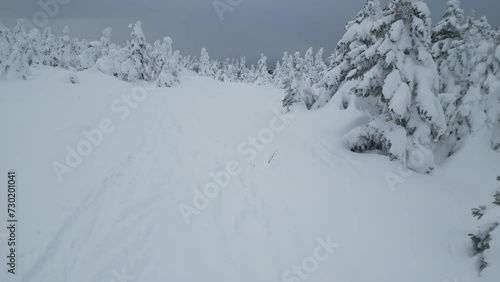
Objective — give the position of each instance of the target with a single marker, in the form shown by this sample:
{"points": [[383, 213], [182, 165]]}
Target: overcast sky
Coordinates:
{"points": [[253, 27]]}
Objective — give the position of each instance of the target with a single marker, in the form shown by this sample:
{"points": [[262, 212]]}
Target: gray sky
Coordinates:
{"points": [[253, 27]]}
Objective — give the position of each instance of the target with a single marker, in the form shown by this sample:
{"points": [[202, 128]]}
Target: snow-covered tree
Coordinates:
{"points": [[308, 65], [284, 72], [137, 65], [5, 48], [353, 55], [111, 63], [66, 52], [162, 52], [319, 67], [50, 49], [17, 66], [34, 47], [242, 72], [169, 75], [253, 74], [106, 41], [474, 104], [448, 49], [300, 90], [263, 76], [404, 80], [486, 242], [205, 66], [89, 56]]}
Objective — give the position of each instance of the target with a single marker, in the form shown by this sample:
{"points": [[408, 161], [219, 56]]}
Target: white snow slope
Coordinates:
{"points": [[314, 212]]}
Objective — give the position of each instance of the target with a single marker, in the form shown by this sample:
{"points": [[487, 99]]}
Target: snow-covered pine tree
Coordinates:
{"points": [[231, 69], [404, 80], [66, 54], [34, 47], [308, 66], [104, 54], [447, 49], [194, 65], [263, 76], [219, 69], [50, 48], [486, 242], [277, 73], [473, 62], [170, 73], [300, 90], [137, 65], [282, 76], [17, 66], [253, 74], [90, 54], [353, 55], [242, 72], [205, 65], [106, 41], [111, 63], [5, 48], [319, 67], [162, 53]]}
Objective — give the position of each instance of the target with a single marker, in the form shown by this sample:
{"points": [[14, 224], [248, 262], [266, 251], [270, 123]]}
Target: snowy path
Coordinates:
{"points": [[123, 222]]}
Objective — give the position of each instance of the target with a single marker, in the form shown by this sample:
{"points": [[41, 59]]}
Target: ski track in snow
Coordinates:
{"points": [[79, 226]]}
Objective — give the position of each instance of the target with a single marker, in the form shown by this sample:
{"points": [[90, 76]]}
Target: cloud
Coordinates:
{"points": [[253, 27]]}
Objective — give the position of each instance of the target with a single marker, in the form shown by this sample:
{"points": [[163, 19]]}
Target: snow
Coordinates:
{"points": [[118, 211]]}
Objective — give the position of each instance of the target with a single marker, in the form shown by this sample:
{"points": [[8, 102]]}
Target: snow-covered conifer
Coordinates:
{"points": [[50, 48], [170, 73], [106, 41], [137, 63], [5, 48], [263, 76], [66, 54], [162, 52], [354, 54], [447, 39], [205, 65], [404, 81], [17, 66], [300, 90], [34, 47], [319, 67]]}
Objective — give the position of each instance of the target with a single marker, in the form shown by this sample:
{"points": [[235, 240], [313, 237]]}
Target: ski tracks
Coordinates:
{"points": [[115, 219]]}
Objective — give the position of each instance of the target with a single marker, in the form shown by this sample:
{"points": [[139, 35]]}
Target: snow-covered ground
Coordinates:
{"points": [[297, 205]]}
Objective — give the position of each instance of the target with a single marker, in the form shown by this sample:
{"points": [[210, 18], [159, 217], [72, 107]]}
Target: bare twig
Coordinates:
{"points": [[273, 155]]}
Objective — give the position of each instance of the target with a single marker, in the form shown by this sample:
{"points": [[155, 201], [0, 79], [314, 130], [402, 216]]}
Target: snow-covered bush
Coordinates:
{"points": [[486, 242], [73, 78]]}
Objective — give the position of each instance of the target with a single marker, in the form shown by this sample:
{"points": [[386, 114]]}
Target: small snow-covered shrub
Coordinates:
{"points": [[73, 78], [486, 242], [167, 79]]}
